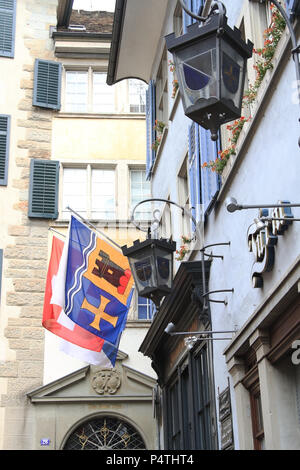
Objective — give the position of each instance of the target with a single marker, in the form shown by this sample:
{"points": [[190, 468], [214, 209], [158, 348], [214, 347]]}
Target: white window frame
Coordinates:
{"points": [[89, 70], [146, 303], [161, 90], [131, 204], [89, 167], [141, 107]]}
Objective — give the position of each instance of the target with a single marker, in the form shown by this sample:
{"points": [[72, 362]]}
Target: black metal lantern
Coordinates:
{"points": [[210, 62], [151, 263]]}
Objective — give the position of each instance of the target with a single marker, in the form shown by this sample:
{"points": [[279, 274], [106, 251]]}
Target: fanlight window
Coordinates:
{"points": [[105, 433]]}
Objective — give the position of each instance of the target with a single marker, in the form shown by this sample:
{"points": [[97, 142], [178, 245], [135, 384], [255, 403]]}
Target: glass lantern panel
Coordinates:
{"points": [[197, 74], [232, 67], [164, 268], [143, 272]]}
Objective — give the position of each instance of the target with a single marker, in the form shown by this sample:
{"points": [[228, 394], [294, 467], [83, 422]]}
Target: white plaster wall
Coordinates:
{"points": [[270, 171]]}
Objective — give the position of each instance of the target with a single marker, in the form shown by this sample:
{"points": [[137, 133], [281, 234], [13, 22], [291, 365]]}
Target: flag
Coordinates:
{"points": [[74, 340], [105, 358], [98, 287]]}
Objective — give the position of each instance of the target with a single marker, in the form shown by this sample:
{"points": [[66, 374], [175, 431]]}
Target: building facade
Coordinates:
{"points": [[66, 139], [241, 392]]}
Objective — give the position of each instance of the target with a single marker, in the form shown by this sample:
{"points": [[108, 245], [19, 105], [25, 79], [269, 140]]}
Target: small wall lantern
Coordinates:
{"points": [[151, 263], [210, 62]]}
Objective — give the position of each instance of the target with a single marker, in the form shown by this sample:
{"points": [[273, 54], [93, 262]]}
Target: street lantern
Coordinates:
{"points": [[210, 62], [151, 263]]}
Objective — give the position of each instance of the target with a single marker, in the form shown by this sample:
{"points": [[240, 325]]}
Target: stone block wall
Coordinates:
{"points": [[26, 248]]}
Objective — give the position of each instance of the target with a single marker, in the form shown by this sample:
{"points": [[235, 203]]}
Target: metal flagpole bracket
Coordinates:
{"points": [[87, 222]]}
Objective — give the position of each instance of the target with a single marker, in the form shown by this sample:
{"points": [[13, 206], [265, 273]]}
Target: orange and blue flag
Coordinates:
{"points": [[98, 287]]}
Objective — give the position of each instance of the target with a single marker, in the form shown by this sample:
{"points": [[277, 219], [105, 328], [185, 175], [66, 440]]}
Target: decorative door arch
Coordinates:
{"points": [[105, 433]]}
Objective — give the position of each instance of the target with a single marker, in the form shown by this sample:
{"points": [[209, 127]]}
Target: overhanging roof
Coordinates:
{"points": [[136, 31]]}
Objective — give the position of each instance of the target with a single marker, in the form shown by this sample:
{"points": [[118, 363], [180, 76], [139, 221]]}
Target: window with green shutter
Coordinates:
{"points": [[43, 190], [4, 147], [7, 27], [47, 84]]}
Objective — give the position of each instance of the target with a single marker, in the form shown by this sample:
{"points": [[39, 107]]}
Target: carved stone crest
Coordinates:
{"points": [[106, 381]]}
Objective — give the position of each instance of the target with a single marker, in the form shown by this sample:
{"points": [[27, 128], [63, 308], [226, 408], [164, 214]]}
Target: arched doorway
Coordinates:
{"points": [[105, 433]]}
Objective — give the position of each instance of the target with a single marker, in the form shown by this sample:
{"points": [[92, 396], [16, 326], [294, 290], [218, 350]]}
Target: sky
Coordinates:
{"points": [[104, 5]]}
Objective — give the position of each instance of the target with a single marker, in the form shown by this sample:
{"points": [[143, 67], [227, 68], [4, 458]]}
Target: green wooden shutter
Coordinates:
{"points": [[47, 84], [43, 191], [7, 27], [4, 147]]}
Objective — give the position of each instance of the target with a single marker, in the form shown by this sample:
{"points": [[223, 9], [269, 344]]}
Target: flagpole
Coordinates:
{"points": [[53, 230], [93, 226]]}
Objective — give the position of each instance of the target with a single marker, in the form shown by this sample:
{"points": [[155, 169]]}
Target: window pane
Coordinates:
{"points": [[103, 194], [137, 96], [76, 92], [144, 309], [75, 190], [103, 94], [140, 190]]}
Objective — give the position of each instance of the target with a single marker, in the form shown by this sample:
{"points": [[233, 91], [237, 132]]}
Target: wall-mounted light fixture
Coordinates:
{"points": [[151, 261], [232, 205], [210, 64], [193, 336], [263, 233], [210, 61]]}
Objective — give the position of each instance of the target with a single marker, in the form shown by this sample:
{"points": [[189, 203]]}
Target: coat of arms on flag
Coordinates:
{"points": [[98, 286], [88, 294]]}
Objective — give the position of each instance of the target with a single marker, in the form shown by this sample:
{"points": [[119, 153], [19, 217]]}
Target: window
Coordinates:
{"points": [[162, 90], [137, 96], [7, 27], [89, 191], [103, 194], [43, 189], [105, 433], [257, 419], [260, 15], [4, 148], [189, 405], [86, 91], [251, 383], [47, 84], [150, 122], [177, 20], [145, 310], [103, 94], [76, 92], [140, 190], [183, 196], [166, 220]]}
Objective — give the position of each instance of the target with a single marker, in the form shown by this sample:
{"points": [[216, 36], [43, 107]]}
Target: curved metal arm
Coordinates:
{"points": [[193, 15], [160, 200], [216, 5], [197, 230]]}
